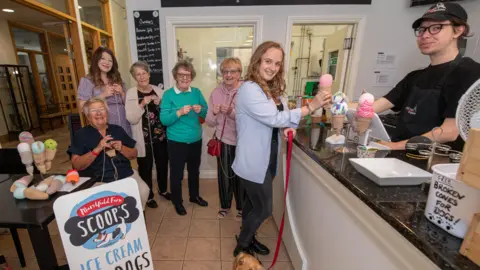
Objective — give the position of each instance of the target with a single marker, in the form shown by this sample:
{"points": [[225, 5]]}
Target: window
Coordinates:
{"points": [[332, 63], [91, 12]]}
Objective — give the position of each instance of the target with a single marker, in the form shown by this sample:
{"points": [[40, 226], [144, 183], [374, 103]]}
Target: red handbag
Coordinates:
{"points": [[214, 146]]}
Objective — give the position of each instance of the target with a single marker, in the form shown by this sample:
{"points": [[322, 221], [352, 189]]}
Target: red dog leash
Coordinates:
{"points": [[287, 178]]}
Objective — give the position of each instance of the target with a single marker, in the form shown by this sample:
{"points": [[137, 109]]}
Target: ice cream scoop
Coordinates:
{"points": [[26, 137], [365, 112], [56, 185], [26, 156], [326, 80], [38, 149], [339, 110], [51, 150]]}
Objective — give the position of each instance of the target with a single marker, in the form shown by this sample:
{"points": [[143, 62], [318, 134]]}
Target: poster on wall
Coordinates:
{"points": [[149, 46], [104, 228], [206, 3]]}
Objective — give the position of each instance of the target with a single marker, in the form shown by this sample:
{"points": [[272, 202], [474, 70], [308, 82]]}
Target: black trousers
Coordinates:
{"points": [[179, 154], [229, 183], [145, 166], [256, 209]]}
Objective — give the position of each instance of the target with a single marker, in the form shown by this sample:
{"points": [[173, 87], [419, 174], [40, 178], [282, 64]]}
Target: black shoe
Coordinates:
{"points": [[199, 201], [180, 209], [259, 248], [152, 203], [166, 195], [239, 249]]}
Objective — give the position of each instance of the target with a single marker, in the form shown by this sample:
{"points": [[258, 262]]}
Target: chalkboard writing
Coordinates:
{"points": [[149, 47]]}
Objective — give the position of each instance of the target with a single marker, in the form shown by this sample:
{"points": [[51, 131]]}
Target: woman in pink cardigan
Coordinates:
{"points": [[221, 112]]}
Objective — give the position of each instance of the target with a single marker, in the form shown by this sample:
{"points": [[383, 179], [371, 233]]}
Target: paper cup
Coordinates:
{"points": [[366, 152]]}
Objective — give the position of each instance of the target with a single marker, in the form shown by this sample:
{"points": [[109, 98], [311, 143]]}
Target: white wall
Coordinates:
{"points": [[120, 39], [397, 37], [7, 57]]}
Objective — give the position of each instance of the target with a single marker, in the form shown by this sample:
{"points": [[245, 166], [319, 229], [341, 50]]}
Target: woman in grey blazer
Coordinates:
{"points": [[261, 110]]}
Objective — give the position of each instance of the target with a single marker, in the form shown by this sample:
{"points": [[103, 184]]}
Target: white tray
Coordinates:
{"points": [[390, 171]]}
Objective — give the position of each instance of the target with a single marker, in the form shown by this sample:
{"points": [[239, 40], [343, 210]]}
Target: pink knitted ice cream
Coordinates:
{"points": [[364, 112]]}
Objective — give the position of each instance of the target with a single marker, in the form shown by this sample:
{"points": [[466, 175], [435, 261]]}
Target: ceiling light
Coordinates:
{"points": [[8, 10], [79, 7]]}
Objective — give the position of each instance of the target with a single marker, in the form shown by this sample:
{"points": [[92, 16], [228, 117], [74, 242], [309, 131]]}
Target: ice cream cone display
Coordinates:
{"points": [[339, 110], [50, 151], [26, 156], [21, 190], [22, 182], [56, 184], [72, 177], [26, 137], [365, 112], [38, 149]]}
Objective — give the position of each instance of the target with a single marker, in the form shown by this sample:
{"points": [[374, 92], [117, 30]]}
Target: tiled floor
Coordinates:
{"points": [[197, 241]]}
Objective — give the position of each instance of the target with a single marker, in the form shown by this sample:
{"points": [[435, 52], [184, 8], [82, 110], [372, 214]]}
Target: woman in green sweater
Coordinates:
{"points": [[180, 111]]}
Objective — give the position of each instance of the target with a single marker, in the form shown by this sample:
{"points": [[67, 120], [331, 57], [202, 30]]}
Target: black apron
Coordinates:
{"points": [[421, 113]]}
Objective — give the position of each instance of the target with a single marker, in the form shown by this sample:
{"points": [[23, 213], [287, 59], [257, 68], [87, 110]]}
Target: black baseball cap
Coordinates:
{"points": [[442, 12]]}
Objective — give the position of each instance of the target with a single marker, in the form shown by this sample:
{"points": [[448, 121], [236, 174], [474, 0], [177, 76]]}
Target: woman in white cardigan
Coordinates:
{"points": [[143, 112]]}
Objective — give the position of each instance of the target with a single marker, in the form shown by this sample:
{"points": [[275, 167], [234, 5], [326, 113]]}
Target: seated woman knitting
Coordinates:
{"points": [[105, 149]]}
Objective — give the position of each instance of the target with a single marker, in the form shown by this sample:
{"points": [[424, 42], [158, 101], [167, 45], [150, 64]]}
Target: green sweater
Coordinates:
{"points": [[186, 128]]}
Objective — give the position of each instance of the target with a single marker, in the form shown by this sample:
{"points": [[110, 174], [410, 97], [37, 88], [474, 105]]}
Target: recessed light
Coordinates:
{"points": [[79, 7], [8, 10]]}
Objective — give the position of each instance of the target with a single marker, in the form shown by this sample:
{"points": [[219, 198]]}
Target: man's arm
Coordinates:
{"points": [[447, 133]]}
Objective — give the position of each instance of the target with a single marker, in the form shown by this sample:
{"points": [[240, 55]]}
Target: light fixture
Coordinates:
{"points": [[79, 7], [8, 10]]}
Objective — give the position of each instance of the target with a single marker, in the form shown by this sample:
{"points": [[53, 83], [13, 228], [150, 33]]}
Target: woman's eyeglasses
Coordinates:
{"points": [[184, 76], [432, 29], [100, 110]]}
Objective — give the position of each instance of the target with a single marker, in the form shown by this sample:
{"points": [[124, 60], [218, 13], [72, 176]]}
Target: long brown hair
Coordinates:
{"points": [[94, 72], [276, 87]]}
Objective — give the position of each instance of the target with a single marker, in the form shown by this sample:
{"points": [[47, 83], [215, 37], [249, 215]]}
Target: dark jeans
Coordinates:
{"points": [[228, 182], [145, 166], [256, 209], [179, 154]]}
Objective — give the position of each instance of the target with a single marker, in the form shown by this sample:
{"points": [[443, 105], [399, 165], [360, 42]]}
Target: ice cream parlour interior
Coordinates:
{"points": [[353, 202]]}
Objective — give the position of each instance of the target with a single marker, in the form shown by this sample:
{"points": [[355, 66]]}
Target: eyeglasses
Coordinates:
{"points": [[101, 110], [432, 29], [184, 76], [226, 72]]}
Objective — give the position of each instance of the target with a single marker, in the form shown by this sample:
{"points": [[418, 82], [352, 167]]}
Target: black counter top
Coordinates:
{"points": [[401, 206]]}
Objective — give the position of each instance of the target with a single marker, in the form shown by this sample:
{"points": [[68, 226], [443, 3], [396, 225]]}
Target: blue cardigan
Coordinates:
{"points": [[256, 116]]}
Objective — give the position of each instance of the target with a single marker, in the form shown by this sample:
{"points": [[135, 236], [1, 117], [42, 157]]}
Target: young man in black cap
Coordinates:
{"points": [[428, 98]]}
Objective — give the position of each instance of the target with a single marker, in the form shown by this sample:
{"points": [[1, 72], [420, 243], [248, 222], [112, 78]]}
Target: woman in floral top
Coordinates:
{"points": [[143, 111]]}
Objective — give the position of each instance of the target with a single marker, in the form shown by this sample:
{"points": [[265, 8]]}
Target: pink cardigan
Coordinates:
{"points": [[220, 95]]}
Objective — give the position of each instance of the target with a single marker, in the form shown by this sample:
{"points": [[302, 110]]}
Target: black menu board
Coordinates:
{"points": [[149, 46], [204, 3]]}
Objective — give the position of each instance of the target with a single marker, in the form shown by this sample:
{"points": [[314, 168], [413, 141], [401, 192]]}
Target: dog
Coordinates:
{"points": [[245, 261], [105, 238]]}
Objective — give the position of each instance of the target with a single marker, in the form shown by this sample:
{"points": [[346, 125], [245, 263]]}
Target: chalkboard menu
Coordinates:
{"points": [[204, 3], [149, 46]]}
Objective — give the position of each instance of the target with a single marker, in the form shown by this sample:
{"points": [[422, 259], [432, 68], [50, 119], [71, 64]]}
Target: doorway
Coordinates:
{"points": [[205, 42], [319, 46]]}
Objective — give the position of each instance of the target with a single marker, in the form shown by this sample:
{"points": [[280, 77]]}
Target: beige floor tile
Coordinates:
{"points": [[167, 265], [170, 212], [169, 248], [14, 263], [229, 227], [53, 228], [268, 229], [279, 265], [271, 244], [151, 240], [155, 215], [227, 247], [205, 212], [203, 249], [152, 228], [174, 227], [202, 265], [58, 247], [204, 228], [7, 248]]}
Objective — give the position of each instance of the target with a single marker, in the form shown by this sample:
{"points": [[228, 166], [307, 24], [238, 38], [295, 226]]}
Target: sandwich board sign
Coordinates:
{"points": [[103, 228]]}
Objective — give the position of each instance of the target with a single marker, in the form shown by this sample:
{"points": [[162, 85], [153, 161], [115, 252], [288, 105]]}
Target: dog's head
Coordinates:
{"points": [[246, 261]]}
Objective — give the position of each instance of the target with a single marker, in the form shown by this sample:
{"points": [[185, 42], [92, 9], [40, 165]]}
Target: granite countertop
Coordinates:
{"points": [[401, 206]]}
